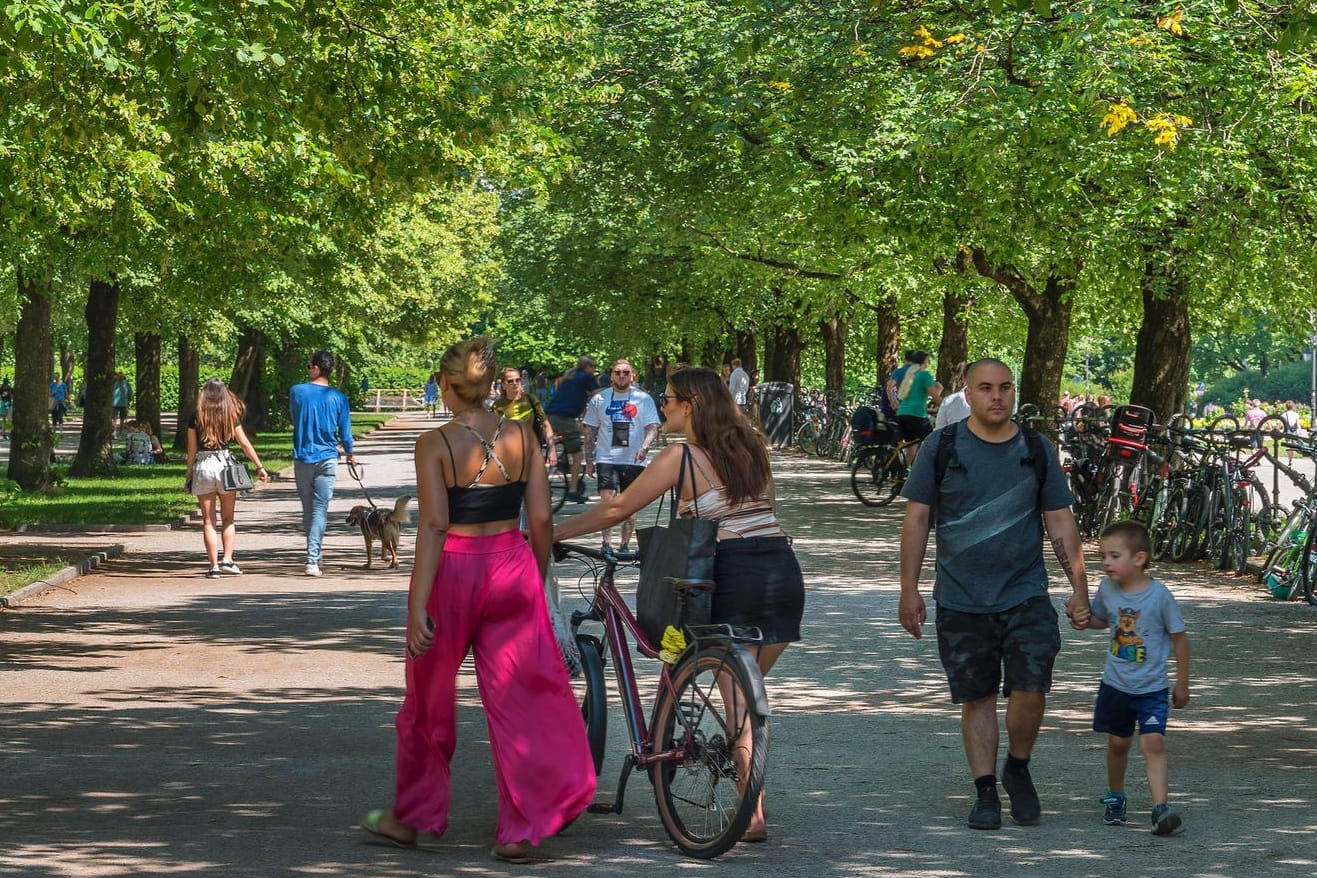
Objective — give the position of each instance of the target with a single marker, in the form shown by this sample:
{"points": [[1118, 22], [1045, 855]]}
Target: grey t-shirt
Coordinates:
{"points": [[989, 521], [1142, 623]]}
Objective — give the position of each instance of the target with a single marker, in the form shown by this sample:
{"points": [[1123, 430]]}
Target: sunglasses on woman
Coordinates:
{"points": [[664, 397]]}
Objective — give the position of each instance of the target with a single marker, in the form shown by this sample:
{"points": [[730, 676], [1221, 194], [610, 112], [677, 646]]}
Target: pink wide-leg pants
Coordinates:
{"points": [[489, 599]]}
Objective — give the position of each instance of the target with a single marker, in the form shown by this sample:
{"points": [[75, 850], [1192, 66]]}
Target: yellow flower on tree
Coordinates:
{"points": [[779, 85], [915, 52], [1166, 128], [1171, 23], [927, 36], [954, 38], [1118, 117]]}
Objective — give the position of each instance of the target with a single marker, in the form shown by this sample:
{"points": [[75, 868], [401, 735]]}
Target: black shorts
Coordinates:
{"points": [[757, 582], [121, 411], [913, 426], [976, 647], [616, 476], [567, 431]]}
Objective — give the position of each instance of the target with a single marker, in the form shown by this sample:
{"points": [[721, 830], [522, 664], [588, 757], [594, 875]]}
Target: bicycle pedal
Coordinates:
{"points": [[601, 808]]}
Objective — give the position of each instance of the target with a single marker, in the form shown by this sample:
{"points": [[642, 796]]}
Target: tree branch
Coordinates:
{"points": [[794, 268]]}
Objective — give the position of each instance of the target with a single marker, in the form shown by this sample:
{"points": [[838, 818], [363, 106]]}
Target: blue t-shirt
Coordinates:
{"points": [[1142, 623], [989, 519], [320, 422], [572, 395]]}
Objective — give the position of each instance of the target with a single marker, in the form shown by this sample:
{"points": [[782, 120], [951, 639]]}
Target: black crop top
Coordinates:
{"points": [[479, 502]]}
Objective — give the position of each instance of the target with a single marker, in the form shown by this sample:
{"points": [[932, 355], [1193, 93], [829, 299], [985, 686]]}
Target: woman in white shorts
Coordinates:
{"points": [[217, 422]]}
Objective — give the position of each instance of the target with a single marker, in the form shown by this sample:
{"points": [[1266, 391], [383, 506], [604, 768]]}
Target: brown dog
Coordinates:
{"points": [[375, 525]]}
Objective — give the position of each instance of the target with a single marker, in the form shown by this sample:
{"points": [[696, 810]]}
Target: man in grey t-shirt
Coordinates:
{"points": [[994, 618]]}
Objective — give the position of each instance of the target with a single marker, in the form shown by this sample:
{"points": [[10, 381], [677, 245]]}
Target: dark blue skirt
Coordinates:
{"points": [[757, 581]]}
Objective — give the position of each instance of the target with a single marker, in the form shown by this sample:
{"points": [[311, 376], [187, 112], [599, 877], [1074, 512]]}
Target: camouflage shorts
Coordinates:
{"points": [[975, 647]]}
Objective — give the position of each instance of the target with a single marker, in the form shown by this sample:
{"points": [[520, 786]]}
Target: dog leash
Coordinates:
{"points": [[354, 469]]}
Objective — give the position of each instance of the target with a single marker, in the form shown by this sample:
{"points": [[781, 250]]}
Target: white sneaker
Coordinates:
{"points": [[230, 567], [313, 570]]}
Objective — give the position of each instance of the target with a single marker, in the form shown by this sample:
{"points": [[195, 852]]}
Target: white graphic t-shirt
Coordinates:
{"points": [[621, 419]]}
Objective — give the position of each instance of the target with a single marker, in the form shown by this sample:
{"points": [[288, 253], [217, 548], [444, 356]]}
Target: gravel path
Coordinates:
{"points": [[159, 723]]}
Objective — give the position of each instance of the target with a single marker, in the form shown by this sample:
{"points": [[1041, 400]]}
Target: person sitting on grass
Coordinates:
{"points": [[1147, 628]]}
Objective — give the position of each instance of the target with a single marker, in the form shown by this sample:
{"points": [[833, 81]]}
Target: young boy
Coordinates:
{"points": [[1147, 628]]}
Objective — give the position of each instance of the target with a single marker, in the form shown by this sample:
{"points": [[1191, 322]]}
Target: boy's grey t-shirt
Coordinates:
{"points": [[1142, 623], [989, 521]]}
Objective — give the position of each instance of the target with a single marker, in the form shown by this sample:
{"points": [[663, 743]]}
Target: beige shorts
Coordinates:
{"points": [[208, 473]]}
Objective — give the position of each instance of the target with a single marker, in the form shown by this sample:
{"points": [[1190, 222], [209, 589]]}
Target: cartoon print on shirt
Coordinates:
{"points": [[1125, 642]]}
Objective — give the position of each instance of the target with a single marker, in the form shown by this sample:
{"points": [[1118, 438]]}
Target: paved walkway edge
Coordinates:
{"points": [[73, 571]]}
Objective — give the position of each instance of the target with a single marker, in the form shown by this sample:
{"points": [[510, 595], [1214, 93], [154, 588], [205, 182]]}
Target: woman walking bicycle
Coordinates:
{"points": [[216, 423], [757, 580], [478, 587]]}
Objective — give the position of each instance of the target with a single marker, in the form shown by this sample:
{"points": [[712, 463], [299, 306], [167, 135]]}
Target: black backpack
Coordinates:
{"points": [[864, 425], [945, 456]]}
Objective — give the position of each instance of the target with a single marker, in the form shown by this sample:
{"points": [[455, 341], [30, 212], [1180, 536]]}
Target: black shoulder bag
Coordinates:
{"points": [[676, 568]]}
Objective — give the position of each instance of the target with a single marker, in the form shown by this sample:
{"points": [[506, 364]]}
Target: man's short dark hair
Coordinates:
{"points": [[984, 361], [324, 362]]}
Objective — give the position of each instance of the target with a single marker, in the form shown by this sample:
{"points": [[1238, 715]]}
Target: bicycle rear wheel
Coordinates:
{"points": [[707, 794], [592, 694], [807, 438], [1308, 568], [873, 481], [557, 486]]}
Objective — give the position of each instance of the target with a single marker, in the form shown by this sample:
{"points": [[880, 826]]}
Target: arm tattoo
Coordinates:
{"points": [[1063, 558]]}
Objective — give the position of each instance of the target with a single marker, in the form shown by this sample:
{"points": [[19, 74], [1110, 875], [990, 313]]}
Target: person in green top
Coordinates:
{"points": [[917, 387], [515, 404]]}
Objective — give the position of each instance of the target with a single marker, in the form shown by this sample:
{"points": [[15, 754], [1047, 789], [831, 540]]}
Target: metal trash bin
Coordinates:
{"points": [[775, 412]]}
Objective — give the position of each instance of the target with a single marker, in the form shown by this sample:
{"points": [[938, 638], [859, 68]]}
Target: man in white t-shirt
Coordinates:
{"points": [[621, 423], [954, 407]]}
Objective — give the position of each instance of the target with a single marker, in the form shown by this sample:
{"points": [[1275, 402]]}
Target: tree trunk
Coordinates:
{"points": [[96, 444], [1163, 351], [953, 350], [189, 376], [30, 441], [247, 378], [787, 345], [745, 349], [833, 331], [146, 347], [1048, 313], [711, 355], [888, 349], [66, 363]]}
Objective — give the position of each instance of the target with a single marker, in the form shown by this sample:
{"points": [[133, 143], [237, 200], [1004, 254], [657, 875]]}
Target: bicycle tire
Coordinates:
{"points": [[592, 694], [1271, 427], [1188, 536], [1224, 424], [1284, 542], [1165, 519], [872, 480], [807, 438], [702, 801], [1237, 542], [557, 486], [1308, 569]]}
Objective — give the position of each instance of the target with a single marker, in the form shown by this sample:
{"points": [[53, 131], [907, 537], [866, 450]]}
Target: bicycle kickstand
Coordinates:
{"points": [[615, 806]]}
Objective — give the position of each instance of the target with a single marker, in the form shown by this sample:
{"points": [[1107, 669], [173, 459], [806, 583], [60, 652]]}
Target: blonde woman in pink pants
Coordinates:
{"points": [[477, 586]]}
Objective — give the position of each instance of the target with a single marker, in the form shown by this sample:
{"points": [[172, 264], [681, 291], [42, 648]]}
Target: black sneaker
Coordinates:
{"points": [[213, 573], [1025, 807], [986, 813], [1165, 820]]}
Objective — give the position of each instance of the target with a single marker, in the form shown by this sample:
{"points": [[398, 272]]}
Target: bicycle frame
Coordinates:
{"points": [[609, 608]]}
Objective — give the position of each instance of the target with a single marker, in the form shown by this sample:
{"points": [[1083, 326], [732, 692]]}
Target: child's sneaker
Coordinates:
{"points": [[1114, 813], [1165, 820]]}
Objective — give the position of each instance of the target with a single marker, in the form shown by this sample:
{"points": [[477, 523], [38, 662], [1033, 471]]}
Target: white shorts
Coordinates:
{"points": [[208, 473]]}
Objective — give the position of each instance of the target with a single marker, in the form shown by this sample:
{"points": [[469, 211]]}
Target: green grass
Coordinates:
{"points": [[141, 494], [21, 575]]}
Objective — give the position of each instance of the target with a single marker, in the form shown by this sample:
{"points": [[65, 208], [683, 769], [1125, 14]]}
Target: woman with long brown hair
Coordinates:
{"points": [[216, 423], [478, 587], [757, 580]]}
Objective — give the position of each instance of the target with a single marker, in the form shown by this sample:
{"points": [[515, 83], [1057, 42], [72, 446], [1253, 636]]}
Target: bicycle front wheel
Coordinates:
{"points": [[873, 481], [557, 486], [592, 694], [707, 792]]}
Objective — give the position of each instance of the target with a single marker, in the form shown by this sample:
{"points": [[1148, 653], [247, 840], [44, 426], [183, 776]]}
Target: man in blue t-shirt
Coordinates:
{"points": [[994, 621], [565, 410], [321, 422]]}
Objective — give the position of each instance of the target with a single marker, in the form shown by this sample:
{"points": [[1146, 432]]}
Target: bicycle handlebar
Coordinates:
{"points": [[608, 556]]}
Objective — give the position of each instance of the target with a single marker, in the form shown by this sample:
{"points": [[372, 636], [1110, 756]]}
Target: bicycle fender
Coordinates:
{"points": [[758, 692]]}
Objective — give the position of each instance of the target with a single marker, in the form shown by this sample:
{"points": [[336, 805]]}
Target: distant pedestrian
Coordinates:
{"points": [[123, 396], [216, 422], [621, 423], [321, 422], [739, 385], [917, 387], [431, 394], [565, 409], [478, 587], [1291, 418], [59, 406], [1146, 627], [993, 611], [954, 407], [6, 405]]}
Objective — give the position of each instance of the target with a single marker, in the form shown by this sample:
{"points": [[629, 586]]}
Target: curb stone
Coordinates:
{"points": [[73, 571]]}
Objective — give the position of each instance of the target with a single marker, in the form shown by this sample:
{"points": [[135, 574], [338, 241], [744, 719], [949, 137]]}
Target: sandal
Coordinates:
{"points": [[513, 852], [371, 823]]}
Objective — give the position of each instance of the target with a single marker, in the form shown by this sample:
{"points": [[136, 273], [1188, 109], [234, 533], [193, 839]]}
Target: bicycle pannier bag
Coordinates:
{"points": [[684, 550], [236, 477]]}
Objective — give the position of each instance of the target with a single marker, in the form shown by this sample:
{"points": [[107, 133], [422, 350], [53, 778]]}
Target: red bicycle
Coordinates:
{"points": [[705, 742]]}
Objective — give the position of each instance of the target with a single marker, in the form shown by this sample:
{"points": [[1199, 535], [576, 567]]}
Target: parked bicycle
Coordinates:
{"points": [[705, 743]]}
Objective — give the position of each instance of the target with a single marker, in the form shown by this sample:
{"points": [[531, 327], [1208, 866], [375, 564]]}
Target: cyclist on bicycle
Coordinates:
{"points": [[757, 580], [917, 387]]}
